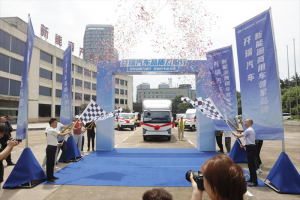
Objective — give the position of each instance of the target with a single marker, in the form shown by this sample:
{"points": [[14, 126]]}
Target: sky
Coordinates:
{"points": [[69, 18]]}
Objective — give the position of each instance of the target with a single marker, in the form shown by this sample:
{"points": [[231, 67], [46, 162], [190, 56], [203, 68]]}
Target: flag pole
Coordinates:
{"points": [[28, 33], [287, 53], [296, 81]]}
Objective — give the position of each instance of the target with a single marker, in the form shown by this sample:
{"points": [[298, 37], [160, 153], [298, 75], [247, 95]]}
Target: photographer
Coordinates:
{"points": [[5, 151], [6, 137], [222, 179]]}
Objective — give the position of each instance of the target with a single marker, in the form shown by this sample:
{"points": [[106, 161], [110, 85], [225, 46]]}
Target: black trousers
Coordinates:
{"points": [[219, 142], [82, 143], [63, 149], [258, 144], [91, 136], [251, 156], [50, 153]]}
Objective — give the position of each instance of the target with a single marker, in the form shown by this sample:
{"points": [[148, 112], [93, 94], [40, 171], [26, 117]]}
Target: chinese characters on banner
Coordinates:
{"points": [[221, 66], [258, 77], [44, 31]]}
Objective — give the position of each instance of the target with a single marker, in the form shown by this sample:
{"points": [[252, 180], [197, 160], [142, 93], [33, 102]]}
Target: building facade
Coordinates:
{"points": [[45, 76]]}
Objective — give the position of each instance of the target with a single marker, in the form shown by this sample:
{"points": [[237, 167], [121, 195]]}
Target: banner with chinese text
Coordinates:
{"points": [[220, 63], [66, 109], [258, 77], [22, 120]]}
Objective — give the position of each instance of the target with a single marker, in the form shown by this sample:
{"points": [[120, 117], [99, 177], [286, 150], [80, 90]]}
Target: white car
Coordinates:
{"points": [[125, 120], [286, 116], [190, 121]]}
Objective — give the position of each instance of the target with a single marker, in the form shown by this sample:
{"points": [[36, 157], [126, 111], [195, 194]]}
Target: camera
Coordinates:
{"points": [[198, 178], [18, 140]]}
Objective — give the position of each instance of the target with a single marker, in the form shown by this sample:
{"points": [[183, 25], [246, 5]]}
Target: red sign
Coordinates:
{"points": [[81, 51], [44, 31], [58, 40], [72, 45]]}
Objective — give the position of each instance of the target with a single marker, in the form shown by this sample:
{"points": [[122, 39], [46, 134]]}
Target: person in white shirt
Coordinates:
{"points": [[52, 144]]}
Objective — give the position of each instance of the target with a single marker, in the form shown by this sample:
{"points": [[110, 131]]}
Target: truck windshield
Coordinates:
{"points": [[157, 117], [189, 116], [126, 116]]}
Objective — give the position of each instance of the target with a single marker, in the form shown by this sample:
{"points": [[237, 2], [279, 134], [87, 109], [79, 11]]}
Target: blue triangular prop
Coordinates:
{"points": [[285, 176], [72, 150], [26, 169], [237, 154]]}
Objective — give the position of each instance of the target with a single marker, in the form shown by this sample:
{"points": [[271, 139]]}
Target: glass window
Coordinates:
{"points": [[72, 67], [45, 57], [4, 40], [45, 91], [117, 81], [57, 110], [122, 82], [58, 93], [78, 96], [16, 66], [87, 97], [17, 46], [94, 86], [4, 63], [87, 72], [79, 70], [78, 83], [121, 101], [94, 97], [125, 92], [4, 86], [59, 77], [125, 101], [14, 89], [45, 74], [87, 85], [121, 91], [44, 110], [59, 62], [116, 91], [94, 74], [116, 101], [126, 83], [77, 110]]}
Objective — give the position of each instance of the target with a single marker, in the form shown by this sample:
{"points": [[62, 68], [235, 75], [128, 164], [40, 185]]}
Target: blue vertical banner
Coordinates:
{"points": [[66, 109], [220, 63], [259, 77], [22, 121]]}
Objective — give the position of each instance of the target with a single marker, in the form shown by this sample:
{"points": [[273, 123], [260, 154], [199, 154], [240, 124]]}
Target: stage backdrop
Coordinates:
{"points": [[259, 76]]}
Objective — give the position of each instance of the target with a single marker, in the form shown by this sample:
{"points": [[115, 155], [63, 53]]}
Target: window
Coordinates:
{"points": [[117, 81], [4, 40], [79, 70], [122, 82], [16, 66], [87, 97], [94, 97], [58, 93], [94, 86], [4, 85], [57, 110], [77, 110], [72, 67], [45, 74], [78, 96], [4, 63], [14, 89], [125, 92], [44, 110], [45, 57], [116, 101], [59, 62], [87, 72], [125, 101], [59, 77], [126, 83], [94, 74], [45, 91], [87, 85], [17, 46], [121, 101], [121, 91], [116, 91], [78, 83]]}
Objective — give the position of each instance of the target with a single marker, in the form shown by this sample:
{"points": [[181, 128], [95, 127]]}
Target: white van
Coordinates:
{"points": [[157, 112], [190, 119], [125, 120], [286, 116]]}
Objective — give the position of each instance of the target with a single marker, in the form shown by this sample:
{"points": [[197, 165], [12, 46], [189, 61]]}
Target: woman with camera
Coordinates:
{"points": [[221, 178]]}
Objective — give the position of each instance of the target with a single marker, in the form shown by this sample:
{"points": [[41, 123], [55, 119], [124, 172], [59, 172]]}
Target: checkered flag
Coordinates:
{"points": [[206, 106], [94, 112]]}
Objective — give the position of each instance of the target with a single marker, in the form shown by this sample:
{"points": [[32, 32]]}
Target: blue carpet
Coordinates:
{"points": [[134, 167]]}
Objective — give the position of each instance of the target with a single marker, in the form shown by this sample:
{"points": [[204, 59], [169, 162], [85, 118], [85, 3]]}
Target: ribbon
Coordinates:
{"points": [[190, 119], [157, 127]]}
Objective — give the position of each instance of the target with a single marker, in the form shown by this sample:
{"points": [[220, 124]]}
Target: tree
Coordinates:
{"points": [[126, 110], [175, 102], [239, 102], [137, 107], [83, 107], [182, 107]]}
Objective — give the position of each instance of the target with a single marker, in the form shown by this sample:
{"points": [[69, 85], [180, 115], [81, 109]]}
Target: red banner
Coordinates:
{"points": [[157, 127]]}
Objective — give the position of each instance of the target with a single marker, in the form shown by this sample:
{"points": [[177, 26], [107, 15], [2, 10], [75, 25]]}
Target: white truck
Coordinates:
{"points": [[156, 113], [190, 119]]}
